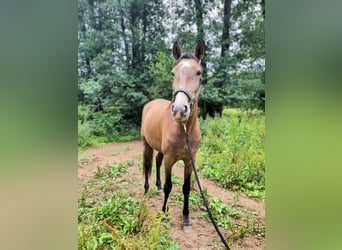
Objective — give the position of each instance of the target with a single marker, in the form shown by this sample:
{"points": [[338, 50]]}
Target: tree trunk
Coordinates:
{"points": [[144, 29], [226, 27], [135, 34], [123, 30]]}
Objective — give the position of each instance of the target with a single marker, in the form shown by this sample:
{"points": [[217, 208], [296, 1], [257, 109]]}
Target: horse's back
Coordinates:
{"points": [[154, 114]]}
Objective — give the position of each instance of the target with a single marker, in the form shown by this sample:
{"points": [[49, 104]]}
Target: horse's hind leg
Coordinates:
{"points": [[147, 164], [159, 159]]}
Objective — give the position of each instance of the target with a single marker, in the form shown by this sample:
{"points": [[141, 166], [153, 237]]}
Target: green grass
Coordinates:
{"points": [[109, 218], [195, 200], [239, 223], [121, 223], [232, 151]]}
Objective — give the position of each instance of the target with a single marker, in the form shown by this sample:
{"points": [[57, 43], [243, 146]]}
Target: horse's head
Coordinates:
{"points": [[187, 75]]}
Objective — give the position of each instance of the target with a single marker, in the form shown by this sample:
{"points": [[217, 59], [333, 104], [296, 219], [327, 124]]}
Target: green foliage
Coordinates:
{"points": [[232, 151], [101, 127], [252, 33], [222, 213], [195, 199], [112, 171], [236, 221], [121, 223], [160, 72], [108, 218], [124, 59]]}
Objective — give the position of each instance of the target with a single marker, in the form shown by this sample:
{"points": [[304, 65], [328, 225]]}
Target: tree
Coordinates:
{"points": [[124, 57], [226, 27]]}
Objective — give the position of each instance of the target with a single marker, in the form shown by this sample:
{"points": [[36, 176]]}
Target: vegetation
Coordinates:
{"points": [[109, 218], [124, 59], [232, 151], [122, 223], [102, 127]]}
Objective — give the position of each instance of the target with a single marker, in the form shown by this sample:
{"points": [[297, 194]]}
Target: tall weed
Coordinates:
{"points": [[232, 151], [121, 223]]}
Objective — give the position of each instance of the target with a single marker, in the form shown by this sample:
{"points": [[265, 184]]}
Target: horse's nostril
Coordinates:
{"points": [[185, 108]]}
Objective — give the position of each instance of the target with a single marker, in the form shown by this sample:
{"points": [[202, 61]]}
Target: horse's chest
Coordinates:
{"points": [[178, 146]]}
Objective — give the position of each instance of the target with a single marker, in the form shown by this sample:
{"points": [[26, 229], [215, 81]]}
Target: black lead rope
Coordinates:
{"points": [[200, 189]]}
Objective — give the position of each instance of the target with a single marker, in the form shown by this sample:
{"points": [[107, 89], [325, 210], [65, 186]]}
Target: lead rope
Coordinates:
{"points": [[200, 189]]}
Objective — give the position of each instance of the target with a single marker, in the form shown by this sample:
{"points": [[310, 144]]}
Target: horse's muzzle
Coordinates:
{"points": [[180, 112]]}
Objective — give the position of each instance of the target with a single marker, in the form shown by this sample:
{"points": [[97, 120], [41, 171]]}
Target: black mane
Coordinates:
{"points": [[188, 56]]}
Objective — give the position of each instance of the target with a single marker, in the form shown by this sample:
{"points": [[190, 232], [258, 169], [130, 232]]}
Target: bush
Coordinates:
{"points": [[232, 151], [103, 127]]}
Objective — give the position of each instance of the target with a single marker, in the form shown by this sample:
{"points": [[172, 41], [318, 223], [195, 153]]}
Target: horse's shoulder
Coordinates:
{"points": [[159, 102]]}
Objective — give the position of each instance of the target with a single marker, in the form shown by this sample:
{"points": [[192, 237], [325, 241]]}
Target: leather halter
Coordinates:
{"points": [[191, 97], [186, 92]]}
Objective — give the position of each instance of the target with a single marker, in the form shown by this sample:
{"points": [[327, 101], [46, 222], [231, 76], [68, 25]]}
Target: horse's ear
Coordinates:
{"points": [[177, 51], [199, 51]]}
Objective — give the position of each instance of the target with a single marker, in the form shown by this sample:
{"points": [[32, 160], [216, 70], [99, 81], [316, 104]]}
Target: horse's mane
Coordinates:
{"points": [[188, 56]]}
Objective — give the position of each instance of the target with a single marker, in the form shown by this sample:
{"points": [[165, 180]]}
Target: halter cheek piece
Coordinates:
{"points": [[188, 94]]}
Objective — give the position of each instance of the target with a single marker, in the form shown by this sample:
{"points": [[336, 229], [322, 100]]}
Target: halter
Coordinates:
{"points": [[191, 97], [186, 92]]}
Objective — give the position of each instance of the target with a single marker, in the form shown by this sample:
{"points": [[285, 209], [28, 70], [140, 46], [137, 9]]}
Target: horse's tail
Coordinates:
{"points": [[147, 158]]}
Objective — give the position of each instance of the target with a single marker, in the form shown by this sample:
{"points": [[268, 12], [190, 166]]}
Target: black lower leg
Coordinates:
{"points": [[146, 185], [159, 159], [167, 189], [186, 192]]}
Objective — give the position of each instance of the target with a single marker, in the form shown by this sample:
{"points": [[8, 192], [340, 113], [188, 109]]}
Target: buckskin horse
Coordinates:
{"points": [[163, 121]]}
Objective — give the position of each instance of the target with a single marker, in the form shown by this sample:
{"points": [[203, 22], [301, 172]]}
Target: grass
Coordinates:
{"points": [[122, 223], [195, 200], [83, 158], [109, 218], [232, 151], [238, 222]]}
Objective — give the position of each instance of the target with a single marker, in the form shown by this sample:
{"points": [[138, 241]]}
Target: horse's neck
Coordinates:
{"points": [[193, 118]]}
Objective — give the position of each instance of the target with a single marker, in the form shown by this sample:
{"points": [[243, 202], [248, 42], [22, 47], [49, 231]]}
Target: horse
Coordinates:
{"points": [[163, 121]]}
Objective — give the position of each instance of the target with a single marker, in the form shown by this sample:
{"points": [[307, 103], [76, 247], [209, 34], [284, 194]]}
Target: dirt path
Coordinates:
{"points": [[203, 235]]}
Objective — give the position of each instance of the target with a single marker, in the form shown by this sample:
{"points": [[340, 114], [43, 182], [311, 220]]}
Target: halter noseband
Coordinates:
{"points": [[191, 97], [186, 92]]}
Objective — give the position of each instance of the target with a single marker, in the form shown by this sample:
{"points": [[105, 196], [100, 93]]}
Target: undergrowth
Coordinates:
{"points": [[115, 220], [96, 128], [121, 223], [232, 151]]}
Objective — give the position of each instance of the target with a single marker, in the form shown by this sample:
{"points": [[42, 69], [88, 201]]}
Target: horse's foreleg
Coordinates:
{"points": [[159, 159], [186, 192], [168, 183]]}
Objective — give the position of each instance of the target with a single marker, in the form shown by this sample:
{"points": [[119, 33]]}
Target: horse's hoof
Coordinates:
{"points": [[160, 191], [187, 228]]}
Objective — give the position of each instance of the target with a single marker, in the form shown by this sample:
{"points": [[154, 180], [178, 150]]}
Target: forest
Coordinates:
{"points": [[125, 59]]}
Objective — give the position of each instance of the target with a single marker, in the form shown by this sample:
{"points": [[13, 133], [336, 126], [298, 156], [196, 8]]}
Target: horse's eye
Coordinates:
{"points": [[198, 73], [173, 74]]}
